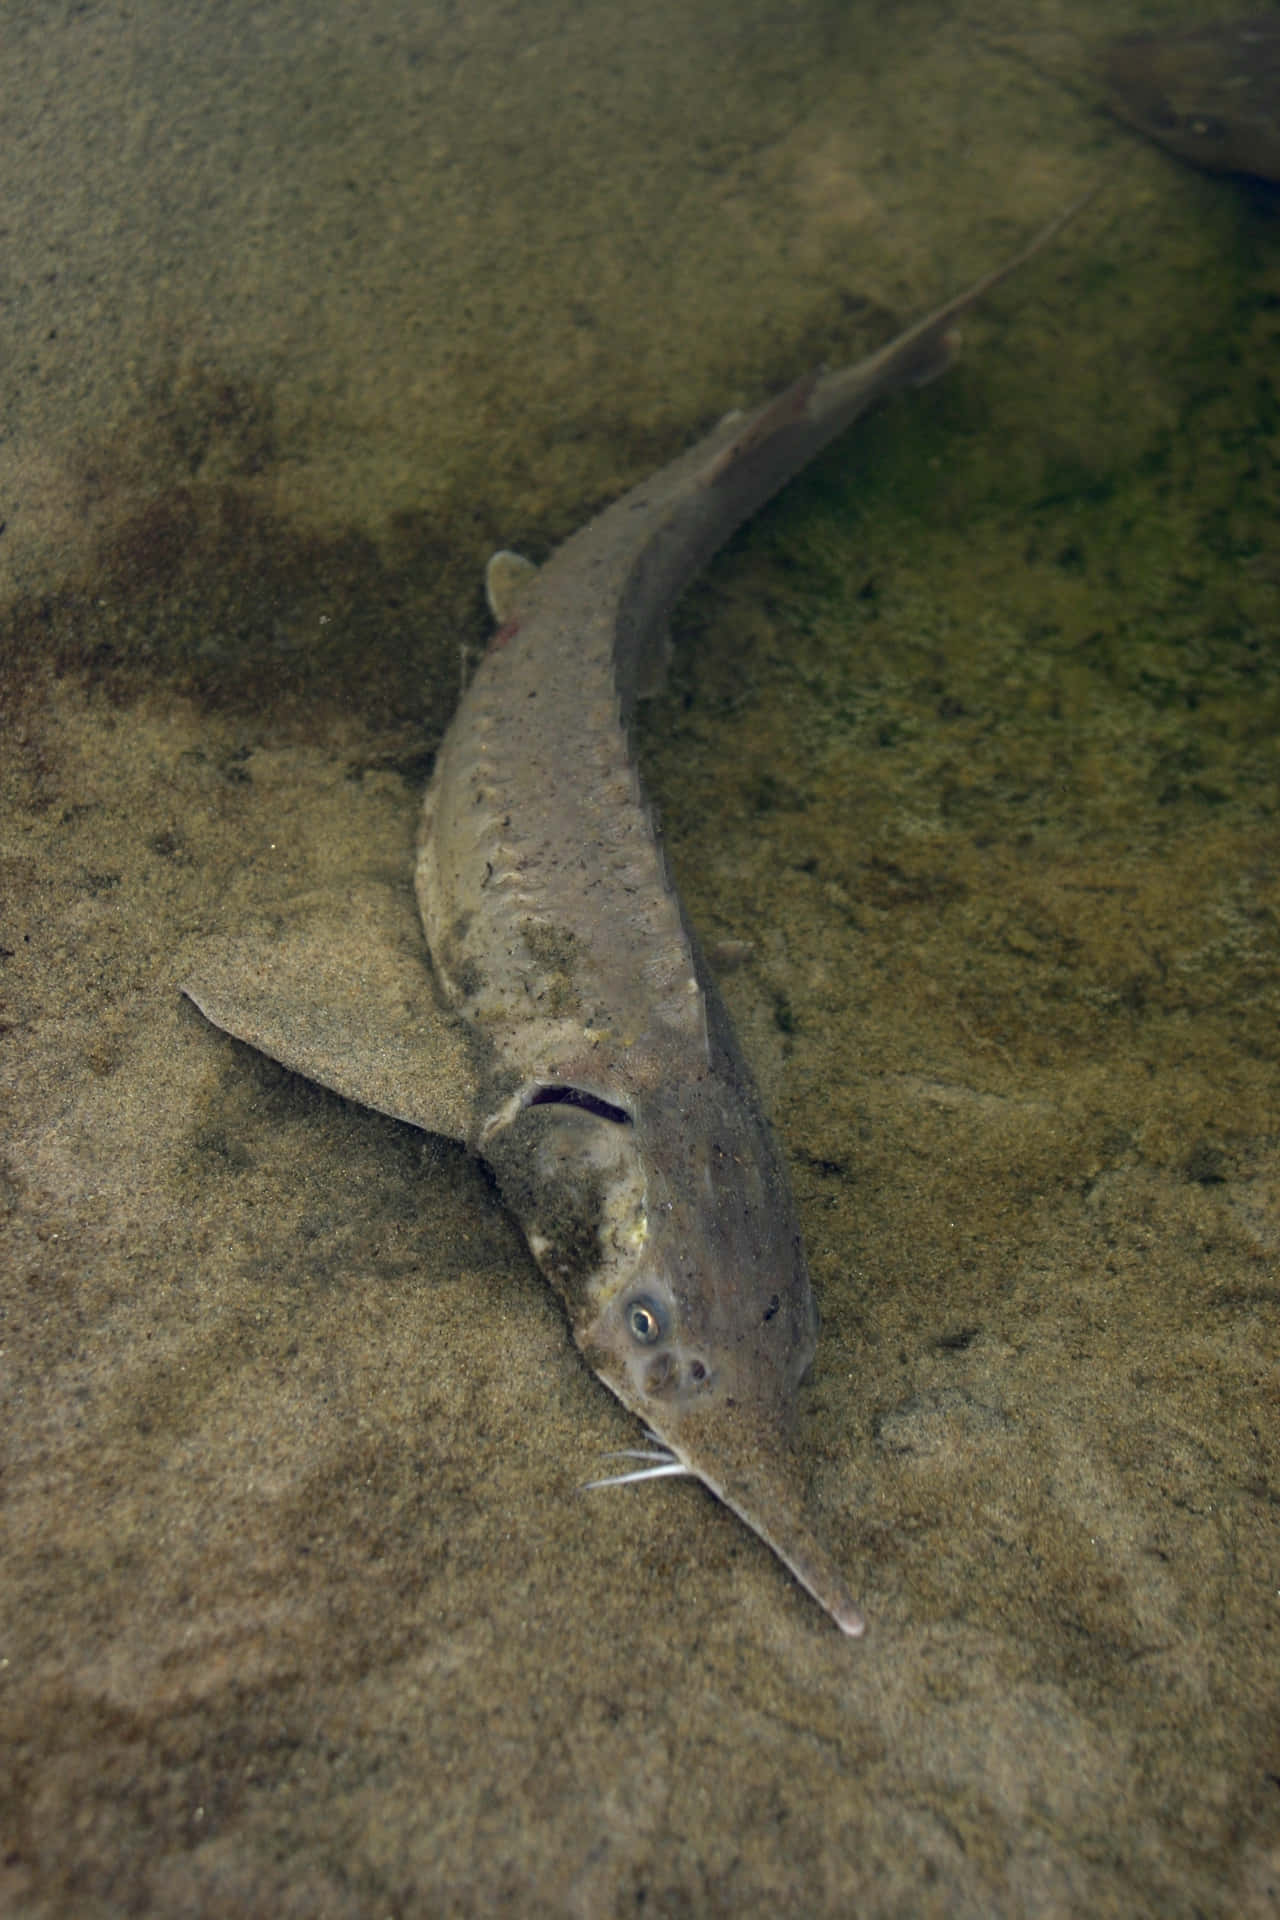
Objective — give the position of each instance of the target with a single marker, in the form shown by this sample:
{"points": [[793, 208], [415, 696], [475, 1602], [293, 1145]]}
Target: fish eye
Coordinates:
{"points": [[645, 1321]]}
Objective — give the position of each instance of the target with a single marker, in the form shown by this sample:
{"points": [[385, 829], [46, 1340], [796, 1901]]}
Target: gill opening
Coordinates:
{"points": [[561, 1096]]}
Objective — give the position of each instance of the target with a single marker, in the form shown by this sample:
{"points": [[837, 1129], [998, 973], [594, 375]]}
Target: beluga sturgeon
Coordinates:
{"points": [[560, 1018]]}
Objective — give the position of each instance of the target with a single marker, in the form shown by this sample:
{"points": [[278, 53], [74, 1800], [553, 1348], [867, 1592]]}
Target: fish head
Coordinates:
{"points": [[666, 1224]]}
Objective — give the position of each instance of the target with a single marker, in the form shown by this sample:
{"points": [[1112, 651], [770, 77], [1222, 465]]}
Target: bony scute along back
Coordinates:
{"points": [[563, 1023]]}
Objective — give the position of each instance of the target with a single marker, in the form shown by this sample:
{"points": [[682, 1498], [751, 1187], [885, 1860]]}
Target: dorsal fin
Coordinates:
{"points": [[785, 408]]}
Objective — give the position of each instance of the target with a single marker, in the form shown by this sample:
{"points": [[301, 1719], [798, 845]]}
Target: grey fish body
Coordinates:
{"points": [[590, 1059], [1211, 94]]}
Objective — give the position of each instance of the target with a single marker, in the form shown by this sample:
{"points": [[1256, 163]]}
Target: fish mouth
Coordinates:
{"points": [[754, 1471]]}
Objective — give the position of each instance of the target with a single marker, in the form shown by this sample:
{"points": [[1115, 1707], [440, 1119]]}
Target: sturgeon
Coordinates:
{"points": [[562, 1020]]}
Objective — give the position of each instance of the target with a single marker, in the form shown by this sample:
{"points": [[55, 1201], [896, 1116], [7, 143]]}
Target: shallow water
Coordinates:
{"points": [[971, 736]]}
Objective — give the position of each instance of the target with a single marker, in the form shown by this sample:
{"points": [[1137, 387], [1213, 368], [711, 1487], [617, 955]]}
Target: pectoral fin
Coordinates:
{"points": [[340, 990], [508, 582]]}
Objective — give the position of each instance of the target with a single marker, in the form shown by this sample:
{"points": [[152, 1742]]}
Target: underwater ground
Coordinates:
{"points": [[973, 739]]}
